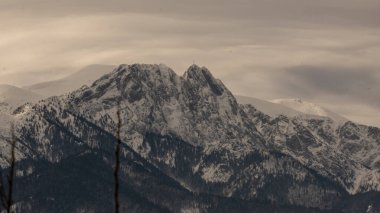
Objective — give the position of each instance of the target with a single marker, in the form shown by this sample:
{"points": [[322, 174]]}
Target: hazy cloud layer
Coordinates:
{"points": [[324, 51], [357, 84], [352, 92]]}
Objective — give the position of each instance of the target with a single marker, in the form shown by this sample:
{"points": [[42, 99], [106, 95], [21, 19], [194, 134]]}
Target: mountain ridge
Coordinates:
{"points": [[309, 108], [192, 129], [77, 79]]}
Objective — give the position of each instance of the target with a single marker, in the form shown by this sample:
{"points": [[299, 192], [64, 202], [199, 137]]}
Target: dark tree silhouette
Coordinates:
{"points": [[6, 196], [117, 162], [3, 195]]}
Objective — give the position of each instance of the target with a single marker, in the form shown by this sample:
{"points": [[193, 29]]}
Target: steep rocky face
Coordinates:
{"points": [[195, 107], [361, 142], [190, 131]]}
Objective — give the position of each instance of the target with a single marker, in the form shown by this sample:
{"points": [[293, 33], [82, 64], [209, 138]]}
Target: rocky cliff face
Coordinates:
{"points": [[188, 145]]}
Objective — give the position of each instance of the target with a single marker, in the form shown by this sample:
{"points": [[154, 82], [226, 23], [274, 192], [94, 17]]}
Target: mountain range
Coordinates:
{"points": [[188, 145]]}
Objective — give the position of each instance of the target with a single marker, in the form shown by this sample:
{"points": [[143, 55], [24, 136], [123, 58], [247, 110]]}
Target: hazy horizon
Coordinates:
{"points": [[323, 52]]}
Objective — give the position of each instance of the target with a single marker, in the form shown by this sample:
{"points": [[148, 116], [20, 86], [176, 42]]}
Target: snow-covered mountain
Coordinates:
{"points": [[189, 145], [82, 77], [290, 108], [309, 108], [297, 114], [12, 97], [267, 107]]}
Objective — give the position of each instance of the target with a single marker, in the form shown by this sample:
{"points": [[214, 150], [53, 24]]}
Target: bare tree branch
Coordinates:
{"points": [[117, 161], [3, 195], [12, 171], [6, 196]]}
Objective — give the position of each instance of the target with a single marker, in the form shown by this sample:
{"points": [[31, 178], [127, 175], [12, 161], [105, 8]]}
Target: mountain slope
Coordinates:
{"points": [[58, 87], [315, 143], [187, 138], [12, 97], [357, 141], [309, 108], [267, 107]]}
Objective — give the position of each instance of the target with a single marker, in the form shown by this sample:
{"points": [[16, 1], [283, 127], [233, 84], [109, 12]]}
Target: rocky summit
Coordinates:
{"points": [[187, 146]]}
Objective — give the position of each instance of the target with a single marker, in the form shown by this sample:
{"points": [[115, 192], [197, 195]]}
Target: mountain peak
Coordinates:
{"points": [[144, 70], [195, 71], [204, 77]]}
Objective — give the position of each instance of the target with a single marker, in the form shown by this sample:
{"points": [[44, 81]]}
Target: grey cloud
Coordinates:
{"points": [[350, 91], [32, 77], [323, 12], [331, 48], [359, 84]]}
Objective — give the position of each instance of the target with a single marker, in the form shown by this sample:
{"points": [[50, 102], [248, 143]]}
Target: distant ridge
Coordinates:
{"points": [[309, 108], [13, 96], [82, 77]]}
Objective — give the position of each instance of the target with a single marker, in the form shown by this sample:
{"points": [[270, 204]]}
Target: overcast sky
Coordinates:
{"points": [[325, 51]]}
